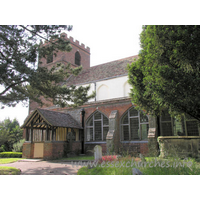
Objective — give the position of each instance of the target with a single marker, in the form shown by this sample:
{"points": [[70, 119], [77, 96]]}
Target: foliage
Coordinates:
{"points": [[22, 47], [167, 72], [9, 171], [10, 133], [2, 148], [17, 147], [10, 155], [9, 160], [150, 166]]}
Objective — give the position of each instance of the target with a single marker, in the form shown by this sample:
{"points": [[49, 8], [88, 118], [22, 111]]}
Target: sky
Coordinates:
{"points": [[107, 43], [110, 28]]}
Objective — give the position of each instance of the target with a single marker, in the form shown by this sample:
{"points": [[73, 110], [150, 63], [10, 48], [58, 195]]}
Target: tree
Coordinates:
{"points": [[20, 48], [10, 133], [167, 72]]}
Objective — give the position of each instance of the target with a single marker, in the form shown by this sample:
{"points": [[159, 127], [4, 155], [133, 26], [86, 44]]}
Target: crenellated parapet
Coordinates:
{"points": [[76, 42]]}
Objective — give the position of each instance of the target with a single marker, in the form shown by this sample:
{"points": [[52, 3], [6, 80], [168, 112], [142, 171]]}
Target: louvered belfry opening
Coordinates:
{"points": [[97, 127], [134, 126]]}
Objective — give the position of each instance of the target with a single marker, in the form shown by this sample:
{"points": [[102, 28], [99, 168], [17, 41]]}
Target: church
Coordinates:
{"points": [[109, 120]]}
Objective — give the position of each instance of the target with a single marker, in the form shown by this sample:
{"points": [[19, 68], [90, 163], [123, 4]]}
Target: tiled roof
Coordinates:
{"points": [[101, 72], [53, 118]]}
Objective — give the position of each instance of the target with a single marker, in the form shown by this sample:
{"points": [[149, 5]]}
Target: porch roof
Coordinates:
{"points": [[40, 118]]}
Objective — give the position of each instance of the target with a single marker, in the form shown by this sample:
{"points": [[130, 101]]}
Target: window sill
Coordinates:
{"points": [[139, 141], [100, 142]]}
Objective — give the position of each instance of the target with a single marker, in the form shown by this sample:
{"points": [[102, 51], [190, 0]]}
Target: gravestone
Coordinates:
{"points": [[97, 152]]}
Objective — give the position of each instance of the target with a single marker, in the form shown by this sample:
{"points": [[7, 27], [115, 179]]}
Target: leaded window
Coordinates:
{"points": [[187, 126], [97, 127], [134, 126]]}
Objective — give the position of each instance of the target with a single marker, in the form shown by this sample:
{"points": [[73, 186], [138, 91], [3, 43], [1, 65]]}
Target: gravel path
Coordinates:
{"points": [[38, 167]]}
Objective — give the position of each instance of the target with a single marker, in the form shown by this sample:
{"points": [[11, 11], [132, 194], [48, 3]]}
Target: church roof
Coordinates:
{"points": [[52, 118], [102, 72]]}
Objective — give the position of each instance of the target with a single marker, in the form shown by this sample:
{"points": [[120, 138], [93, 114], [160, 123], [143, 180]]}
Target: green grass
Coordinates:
{"points": [[79, 158], [150, 166], [9, 171], [9, 160]]}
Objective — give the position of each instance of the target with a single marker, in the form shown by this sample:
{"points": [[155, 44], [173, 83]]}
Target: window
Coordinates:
{"points": [[77, 58], [97, 127], [134, 126], [187, 126], [50, 58]]}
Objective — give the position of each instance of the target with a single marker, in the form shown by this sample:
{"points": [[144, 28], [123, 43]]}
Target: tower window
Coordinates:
{"points": [[77, 58], [50, 58]]}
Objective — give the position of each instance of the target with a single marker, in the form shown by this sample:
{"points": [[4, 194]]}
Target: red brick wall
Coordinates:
{"points": [[106, 107], [133, 149], [52, 150], [69, 57], [28, 150]]}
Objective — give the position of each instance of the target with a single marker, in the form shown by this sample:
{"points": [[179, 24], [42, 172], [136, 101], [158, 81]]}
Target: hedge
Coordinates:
{"points": [[10, 154]]}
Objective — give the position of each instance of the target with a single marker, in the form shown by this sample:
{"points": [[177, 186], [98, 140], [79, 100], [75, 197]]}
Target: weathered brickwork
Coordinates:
{"points": [[28, 149], [69, 57]]}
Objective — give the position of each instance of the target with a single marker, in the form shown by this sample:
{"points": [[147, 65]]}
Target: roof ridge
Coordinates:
{"points": [[135, 56]]}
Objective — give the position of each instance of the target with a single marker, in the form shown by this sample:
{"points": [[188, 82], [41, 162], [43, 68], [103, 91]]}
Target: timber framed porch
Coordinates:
{"points": [[49, 132]]}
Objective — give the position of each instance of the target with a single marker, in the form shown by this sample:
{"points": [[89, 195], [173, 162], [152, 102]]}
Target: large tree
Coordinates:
{"points": [[20, 79], [167, 73], [10, 133]]}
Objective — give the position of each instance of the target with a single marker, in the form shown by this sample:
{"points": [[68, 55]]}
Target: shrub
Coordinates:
{"points": [[17, 147], [2, 148], [10, 155]]}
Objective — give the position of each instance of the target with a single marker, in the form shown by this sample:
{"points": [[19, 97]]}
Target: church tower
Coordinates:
{"points": [[79, 55]]}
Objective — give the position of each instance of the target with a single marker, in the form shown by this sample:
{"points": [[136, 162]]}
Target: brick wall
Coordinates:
{"points": [[28, 149], [69, 57]]}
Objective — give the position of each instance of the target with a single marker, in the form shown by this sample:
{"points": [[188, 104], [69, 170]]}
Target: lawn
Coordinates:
{"points": [[9, 160], [9, 171], [149, 166]]}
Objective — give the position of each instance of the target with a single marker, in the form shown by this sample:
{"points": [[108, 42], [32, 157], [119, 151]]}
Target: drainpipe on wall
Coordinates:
{"points": [[83, 137], [95, 86]]}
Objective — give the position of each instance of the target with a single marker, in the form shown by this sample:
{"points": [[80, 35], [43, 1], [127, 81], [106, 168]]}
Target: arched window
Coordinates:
{"points": [[97, 127], [134, 126], [77, 58], [102, 92]]}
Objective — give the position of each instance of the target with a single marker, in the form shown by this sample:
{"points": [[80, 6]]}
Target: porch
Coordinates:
{"points": [[50, 134]]}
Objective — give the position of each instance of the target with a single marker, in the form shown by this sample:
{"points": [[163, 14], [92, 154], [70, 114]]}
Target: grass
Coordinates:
{"points": [[9, 160], [149, 166], [9, 171]]}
